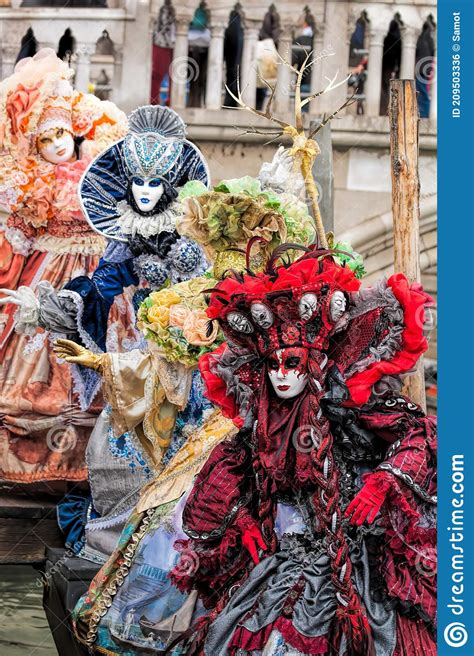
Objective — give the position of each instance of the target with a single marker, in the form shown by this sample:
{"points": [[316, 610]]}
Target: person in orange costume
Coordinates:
{"points": [[50, 132]]}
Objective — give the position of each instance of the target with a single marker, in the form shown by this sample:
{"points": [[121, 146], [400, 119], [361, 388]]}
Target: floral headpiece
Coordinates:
{"points": [[38, 96], [24, 96], [298, 305], [224, 220]]}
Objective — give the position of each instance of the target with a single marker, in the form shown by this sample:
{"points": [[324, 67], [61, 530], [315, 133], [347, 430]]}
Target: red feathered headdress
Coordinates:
{"points": [[314, 303], [296, 305]]}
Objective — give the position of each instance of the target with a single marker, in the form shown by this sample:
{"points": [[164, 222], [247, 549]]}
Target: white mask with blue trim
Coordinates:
{"points": [[146, 192]]}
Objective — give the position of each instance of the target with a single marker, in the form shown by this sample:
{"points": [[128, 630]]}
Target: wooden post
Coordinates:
{"points": [[404, 120], [323, 172]]}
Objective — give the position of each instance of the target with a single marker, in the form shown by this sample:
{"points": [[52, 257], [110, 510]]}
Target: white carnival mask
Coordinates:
{"points": [[287, 371], [147, 192], [307, 306], [337, 306], [262, 315], [56, 145]]}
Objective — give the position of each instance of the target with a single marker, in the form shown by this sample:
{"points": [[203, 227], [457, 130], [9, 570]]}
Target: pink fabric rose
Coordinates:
{"points": [[42, 199], [19, 105], [66, 197], [68, 175], [178, 315], [195, 329], [19, 178], [71, 171]]}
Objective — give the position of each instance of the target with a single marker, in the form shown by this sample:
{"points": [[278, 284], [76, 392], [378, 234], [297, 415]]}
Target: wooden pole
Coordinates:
{"points": [[404, 120]]}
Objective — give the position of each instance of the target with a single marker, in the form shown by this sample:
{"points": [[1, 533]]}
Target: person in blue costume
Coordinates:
{"points": [[129, 194]]}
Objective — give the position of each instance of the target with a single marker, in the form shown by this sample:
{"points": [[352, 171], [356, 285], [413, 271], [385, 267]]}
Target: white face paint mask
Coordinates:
{"points": [[287, 372], [56, 145], [337, 306], [307, 306], [147, 192]]}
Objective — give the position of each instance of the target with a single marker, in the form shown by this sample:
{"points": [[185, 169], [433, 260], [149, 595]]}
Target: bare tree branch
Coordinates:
{"points": [[253, 130], [272, 87], [330, 87], [298, 102], [239, 100], [350, 101], [287, 63]]}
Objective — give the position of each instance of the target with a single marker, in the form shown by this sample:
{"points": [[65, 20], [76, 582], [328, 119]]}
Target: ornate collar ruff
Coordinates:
{"points": [[132, 223]]}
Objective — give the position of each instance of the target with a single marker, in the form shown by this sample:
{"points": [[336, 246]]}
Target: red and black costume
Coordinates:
{"points": [[333, 490]]}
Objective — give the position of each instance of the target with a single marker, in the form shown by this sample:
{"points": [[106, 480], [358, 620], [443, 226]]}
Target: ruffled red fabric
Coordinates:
{"points": [[306, 271], [249, 642], [215, 387], [409, 566], [413, 638], [251, 286], [413, 300], [294, 278]]}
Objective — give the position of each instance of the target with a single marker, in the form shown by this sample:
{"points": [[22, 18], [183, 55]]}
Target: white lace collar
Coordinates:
{"points": [[132, 223]]}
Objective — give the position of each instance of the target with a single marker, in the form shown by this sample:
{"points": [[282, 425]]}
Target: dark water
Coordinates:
{"points": [[24, 629]]}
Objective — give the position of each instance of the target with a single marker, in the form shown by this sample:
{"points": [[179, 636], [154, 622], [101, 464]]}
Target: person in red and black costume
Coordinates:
{"points": [[314, 528]]}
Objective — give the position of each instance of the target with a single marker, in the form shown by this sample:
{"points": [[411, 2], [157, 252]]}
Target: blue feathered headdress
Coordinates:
{"points": [[155, 146]]}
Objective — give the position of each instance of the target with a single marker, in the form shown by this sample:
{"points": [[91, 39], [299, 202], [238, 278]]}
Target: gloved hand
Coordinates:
{"points": [[77, 354], [366, 503], [251, 536], [281, 173], [28, 307]]}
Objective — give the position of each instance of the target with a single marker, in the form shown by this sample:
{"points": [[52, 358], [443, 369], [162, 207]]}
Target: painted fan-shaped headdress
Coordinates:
{"points": [[154, 142], [155, 146]]}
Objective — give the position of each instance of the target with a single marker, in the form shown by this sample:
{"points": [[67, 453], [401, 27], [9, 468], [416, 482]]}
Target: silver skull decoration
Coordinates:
{"points": [[307, 306], [337, 306], [262, 315], [239, 322]]}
